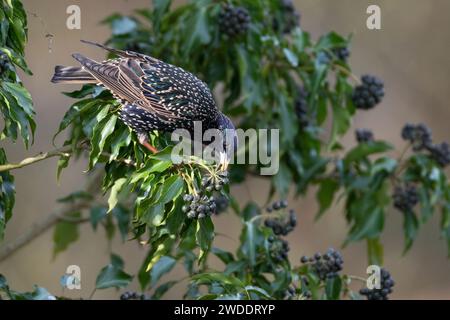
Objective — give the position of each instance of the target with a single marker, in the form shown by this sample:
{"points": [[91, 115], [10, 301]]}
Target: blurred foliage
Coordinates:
{"points": [[16, 106], [258, 75]]}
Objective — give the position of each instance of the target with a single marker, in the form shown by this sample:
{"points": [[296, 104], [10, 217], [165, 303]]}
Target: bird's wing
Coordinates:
{"points": [[122, 76]]}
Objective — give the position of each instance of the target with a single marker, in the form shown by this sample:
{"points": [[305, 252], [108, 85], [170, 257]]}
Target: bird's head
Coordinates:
{"points": [[230, 139]]}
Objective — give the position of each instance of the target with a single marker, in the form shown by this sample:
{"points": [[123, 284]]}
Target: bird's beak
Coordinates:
{"points": [[223, 161]]}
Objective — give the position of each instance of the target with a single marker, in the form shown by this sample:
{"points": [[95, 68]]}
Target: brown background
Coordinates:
{"points": [[410, 53]]}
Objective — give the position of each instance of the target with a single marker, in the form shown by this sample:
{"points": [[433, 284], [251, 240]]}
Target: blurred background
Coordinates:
{"points": [[409, 53]]}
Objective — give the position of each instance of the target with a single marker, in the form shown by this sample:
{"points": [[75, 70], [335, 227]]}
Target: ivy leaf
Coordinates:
{"points": [[171, 189], [225, 256], [97, 214], [325, 195], [248, 240], [164, 265], [65, 233], [115, 190], [162, 289], [85, 90], [204, 236], [375, 251], [123, 220], [100, 133], [7, 195], [363, 150], [112, 276], [123, 25], [333, 288], [282, 180], [410, 227]]}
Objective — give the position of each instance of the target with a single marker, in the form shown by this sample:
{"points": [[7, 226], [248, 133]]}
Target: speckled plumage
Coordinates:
{"points": [[154, 95]]}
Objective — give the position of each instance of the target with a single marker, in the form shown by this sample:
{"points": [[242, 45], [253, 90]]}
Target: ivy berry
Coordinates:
{"points": [[363, 135], [369, 93], [386, 284], [233, 21]]}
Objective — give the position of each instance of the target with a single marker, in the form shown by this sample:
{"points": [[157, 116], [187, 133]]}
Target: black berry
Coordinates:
{"points": [[233, 21], [341, 53], [363, 135], [301, 107], [289, 19], [278, 249], [405, 197], [419, 135], [369, 93], [130, 295], [282, 224], [327, 265], [440, 153], [386, 284]]}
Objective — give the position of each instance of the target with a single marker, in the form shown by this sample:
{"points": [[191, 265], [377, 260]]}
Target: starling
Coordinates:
{"points": [[154, 95]]}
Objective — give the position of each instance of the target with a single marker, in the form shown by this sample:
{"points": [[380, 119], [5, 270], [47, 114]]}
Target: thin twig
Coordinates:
{"points": [[39, 157], [45, 224]]}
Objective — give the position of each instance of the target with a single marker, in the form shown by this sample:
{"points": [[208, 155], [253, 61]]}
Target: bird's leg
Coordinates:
{"points": [[143, 139]]}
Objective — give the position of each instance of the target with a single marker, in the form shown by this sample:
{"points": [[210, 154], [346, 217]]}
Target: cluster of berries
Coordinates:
{"points": [[363, 135], [342, 53], [281, 225], [327, 265], [5, 64], [440, 152], [129, 295], [405, 198], [233, 21], [386, 284], [290, 17], [301, 107], [420, 137], [369, 93], [200, 205], [278, 248]]}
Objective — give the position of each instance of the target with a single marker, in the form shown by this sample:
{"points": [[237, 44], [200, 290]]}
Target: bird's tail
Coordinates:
{"points": [[72, 75]]}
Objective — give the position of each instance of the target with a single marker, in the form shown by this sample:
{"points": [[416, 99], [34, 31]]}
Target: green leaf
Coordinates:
{"points": [[363, 150], [162, 289], [325, 195], [171, 189], [115, 190], [7, 195], [410, 227], [123, 25], [65, 233], [85, 90], [282, 180], [164, 265], [225, 256], [248, 240], [102, 131], [97, 214], [112, 276], [375, 251], [204, 236], [333, 288], [221, 278], [123, 220], [197, 30]]}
